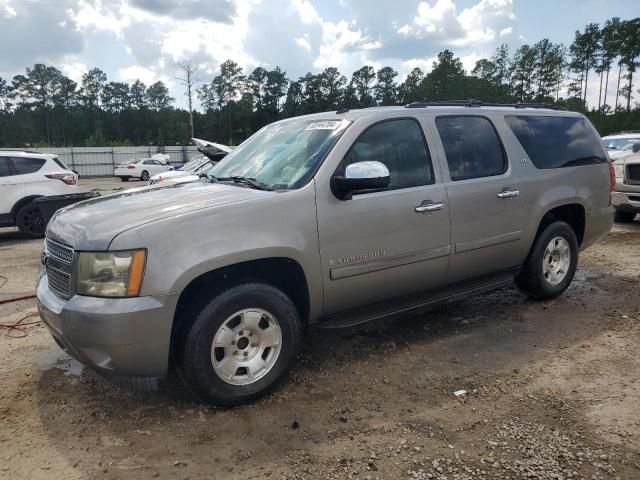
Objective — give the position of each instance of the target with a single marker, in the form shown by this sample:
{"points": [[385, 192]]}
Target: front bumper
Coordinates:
{"points": [[114, 336], [626, 201]]}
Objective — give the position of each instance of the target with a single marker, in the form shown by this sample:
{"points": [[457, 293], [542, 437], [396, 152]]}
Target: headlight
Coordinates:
{"points": [[619, 169], [110, 274]]}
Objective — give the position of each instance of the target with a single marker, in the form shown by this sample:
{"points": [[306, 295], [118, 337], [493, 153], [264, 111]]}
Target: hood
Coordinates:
{"points": [[92, 224], [212, 150], [167, 175], [618, 154]]}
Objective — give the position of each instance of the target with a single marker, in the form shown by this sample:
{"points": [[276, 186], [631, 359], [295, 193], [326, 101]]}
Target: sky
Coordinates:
{"points": [[145, 39]]}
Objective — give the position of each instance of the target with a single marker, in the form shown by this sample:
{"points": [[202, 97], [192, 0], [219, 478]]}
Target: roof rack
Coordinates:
{"points": [[479, 103], [625, 132]]}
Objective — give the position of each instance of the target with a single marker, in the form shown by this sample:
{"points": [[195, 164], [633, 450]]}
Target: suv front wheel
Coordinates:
{"points": [[240, 345], [551, 264]]}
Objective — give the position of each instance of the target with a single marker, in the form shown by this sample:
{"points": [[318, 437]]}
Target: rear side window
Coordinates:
{"points": [[557, 142], [24, 165], [398, 144], [472, 147], [60, 163], [5, 168]]}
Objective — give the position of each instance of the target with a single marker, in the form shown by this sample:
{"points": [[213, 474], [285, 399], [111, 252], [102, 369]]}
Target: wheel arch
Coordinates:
{"points": [[21, 203], [283, 273], [573, 213]]}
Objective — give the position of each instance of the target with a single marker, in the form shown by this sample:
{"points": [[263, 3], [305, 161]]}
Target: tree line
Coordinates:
{"points": [[44, 107]]}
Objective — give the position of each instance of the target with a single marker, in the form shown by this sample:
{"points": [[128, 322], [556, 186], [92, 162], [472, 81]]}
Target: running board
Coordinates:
{"points": [[432, 298]]}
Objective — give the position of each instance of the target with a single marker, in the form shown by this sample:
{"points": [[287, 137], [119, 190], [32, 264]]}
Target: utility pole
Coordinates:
{"points": [[189, 79]]}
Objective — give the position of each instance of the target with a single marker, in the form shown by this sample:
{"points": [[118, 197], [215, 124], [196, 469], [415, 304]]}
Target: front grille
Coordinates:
{"points": [[633, 173], [59, 267], [59, 282], [59, 251]]}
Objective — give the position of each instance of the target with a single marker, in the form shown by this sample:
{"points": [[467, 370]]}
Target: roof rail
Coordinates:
{"points": [[479, 103]]}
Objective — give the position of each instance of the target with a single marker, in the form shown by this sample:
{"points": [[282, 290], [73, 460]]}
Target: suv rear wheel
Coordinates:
{"points": [[551, 264], [30, 221], [241, 345], [624, 217]]}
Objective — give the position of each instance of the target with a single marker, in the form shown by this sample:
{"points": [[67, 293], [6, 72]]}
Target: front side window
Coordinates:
{"points": [[471, 146], [5, 168], [400, 146], [24, 165], [282, 155], [557, 142]]}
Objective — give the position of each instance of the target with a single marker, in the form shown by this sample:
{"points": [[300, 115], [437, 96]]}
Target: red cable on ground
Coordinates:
{"points": [[19, 326], [17, 299]]}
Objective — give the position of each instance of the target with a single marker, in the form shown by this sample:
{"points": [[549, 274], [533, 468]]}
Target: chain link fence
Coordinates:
{"points": [[101, 161]]}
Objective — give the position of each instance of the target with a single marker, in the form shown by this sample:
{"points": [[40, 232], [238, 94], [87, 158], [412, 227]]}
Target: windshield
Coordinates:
{"points": [[618, 143], [281, 155]]}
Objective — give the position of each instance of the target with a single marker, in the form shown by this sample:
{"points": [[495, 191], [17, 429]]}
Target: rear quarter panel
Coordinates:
{"points": [[545, 189]]}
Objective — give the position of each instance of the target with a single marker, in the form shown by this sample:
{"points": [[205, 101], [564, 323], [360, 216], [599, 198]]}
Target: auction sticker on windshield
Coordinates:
{"points": [[324, 125]]}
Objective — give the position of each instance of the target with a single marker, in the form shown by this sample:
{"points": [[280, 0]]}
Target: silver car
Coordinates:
{"points": [[332, 220]]}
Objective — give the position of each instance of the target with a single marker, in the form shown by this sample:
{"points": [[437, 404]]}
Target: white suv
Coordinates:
{"points": [[25, 176]]}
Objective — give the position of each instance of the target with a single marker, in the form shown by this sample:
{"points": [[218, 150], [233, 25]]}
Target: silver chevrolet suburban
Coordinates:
{"points": [[331, 219]]}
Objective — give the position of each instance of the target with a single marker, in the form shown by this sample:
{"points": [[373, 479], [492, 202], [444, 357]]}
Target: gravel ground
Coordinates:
{"points": [[553, 392]]}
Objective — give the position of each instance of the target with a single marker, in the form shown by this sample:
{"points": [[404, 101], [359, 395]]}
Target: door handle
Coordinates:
{"points": [[509, 193], [429, 207]]}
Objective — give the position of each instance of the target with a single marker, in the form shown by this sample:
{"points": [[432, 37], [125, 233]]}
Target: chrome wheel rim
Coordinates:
{"points": [[556, 260], [246, 346]]}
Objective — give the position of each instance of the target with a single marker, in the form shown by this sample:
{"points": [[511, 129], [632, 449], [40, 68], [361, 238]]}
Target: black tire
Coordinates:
{"points": [[532, 280], [124, 179], [145, 176], [624, 217], [30, 221], [194, 362]]}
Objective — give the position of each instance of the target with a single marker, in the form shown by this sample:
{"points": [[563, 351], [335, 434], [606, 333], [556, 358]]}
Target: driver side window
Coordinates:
{"points": [[400, 146]]}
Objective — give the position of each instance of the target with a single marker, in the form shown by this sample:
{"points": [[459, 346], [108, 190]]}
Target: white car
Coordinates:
{"points": [[620, 145], [142, 168], [212, 154], [26, 176]]}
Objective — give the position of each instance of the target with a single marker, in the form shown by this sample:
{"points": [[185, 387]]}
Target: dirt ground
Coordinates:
{"points": [[553, 392]]}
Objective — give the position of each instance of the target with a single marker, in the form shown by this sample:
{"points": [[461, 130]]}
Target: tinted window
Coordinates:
{"points": [[60, 163], [27, 165], [398, 144], [5, 168], [555, 142], [471, 146], [148, 162]]}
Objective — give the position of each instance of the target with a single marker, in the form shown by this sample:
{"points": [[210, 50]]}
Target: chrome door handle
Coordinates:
{"points": [[509, 193], [429, 207]]}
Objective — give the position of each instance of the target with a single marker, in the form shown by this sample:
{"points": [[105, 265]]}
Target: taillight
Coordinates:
{"points": [[131, 167], [67, 178], [612, 176]]}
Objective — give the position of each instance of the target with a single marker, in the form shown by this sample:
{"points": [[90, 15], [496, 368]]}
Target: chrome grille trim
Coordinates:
{"points": [[59, 267], [59, 282], [59, 251]]}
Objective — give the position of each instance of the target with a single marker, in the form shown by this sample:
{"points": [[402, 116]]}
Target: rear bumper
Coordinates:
{"points": [[114, 336], [598, 224], [626, 201]]}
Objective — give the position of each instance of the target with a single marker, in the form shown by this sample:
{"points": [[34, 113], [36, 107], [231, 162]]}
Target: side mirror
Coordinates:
{"points": [[360, 176], [636, 147]]}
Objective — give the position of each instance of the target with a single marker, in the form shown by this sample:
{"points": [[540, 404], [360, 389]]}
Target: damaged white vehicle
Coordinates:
{"points": [[194, 169]]}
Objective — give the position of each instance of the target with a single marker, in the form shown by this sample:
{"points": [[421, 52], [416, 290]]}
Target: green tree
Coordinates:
{"points": [[523, 69], [138, 95], [92, 84], [386, 88], [158, 96], [410, 90], [257, 79], [332, 87], [630, 53], [446, 79], [362, 80], [274, 89]]}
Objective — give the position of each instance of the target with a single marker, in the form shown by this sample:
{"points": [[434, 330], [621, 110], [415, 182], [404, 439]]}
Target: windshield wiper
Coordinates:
{"points": [[248, 181]]}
